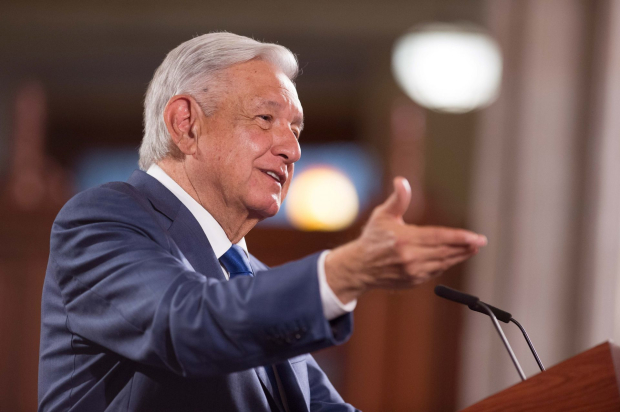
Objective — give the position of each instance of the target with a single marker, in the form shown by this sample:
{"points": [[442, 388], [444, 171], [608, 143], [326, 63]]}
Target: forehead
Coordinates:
{"points": [[259, 83]]}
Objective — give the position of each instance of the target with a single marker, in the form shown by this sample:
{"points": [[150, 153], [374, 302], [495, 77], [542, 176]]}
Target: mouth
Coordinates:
{"points": [[275, 176]]}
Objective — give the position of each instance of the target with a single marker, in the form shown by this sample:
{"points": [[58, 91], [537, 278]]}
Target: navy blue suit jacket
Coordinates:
{"points": [[137, 315]]}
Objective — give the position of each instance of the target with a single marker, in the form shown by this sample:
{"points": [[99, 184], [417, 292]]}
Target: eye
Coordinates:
{"points": [[265, 117]]}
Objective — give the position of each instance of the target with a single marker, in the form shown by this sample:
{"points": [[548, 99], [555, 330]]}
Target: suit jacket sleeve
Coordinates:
{"points": [[125, 287]]}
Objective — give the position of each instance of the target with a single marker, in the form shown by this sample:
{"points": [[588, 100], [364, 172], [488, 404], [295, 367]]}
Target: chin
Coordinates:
{"points": [[270, 212], [267, 209]]}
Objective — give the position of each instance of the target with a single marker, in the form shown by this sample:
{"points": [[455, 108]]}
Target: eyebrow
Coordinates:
{"points": [[271, 103]]}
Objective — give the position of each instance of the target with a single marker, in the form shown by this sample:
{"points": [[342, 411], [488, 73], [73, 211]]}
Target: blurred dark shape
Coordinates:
{"points": [[408, 124], [35, 180], [35, 189]]}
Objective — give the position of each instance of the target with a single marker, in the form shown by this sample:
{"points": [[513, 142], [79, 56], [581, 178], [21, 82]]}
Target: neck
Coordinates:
{"points": [[235, 222]]}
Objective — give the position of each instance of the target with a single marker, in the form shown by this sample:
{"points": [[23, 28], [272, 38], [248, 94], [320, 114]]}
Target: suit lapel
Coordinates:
{"points": [[183, 226], [190, 238]]}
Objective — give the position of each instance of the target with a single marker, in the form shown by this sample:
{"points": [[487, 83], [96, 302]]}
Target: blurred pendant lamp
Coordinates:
{"points": [[451, 68]]}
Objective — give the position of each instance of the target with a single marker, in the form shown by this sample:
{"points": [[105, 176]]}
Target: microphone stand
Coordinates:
{"points": [[529, 342], [506, 344]]}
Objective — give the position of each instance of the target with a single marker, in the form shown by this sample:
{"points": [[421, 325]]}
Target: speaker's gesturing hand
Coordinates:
{"points": [[392, 254]]}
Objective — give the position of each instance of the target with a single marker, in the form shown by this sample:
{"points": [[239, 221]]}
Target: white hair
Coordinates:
{"points": [[192, 68]]}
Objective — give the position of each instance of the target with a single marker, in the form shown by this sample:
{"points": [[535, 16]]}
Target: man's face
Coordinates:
{"points": [[247, 148]]}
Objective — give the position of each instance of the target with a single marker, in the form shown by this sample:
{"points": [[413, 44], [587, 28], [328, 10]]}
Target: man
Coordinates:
{"points": [[151, 301]]}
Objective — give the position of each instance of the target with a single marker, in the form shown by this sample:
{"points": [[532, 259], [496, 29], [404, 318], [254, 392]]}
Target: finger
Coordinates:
{"points": [[397, 204], [435, 236], [442, 265], [400, 283], [417, 273], [423, 254]]}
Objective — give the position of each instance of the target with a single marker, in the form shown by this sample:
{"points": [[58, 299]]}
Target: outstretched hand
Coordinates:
{"points": [[392, 254]]}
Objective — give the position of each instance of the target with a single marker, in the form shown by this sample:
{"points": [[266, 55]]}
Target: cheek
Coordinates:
{"points": [[258, 139], [251, 147]]}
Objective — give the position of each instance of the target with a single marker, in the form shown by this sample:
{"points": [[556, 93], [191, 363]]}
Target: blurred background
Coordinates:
{"points": [[503, 114]]}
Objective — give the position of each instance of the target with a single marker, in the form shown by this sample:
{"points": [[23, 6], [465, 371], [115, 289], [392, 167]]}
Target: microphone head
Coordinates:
{"points": [[455, 296], [501, 315]]}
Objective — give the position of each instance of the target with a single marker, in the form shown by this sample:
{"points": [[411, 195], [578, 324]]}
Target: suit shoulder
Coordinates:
{"points": [[110, 201]]}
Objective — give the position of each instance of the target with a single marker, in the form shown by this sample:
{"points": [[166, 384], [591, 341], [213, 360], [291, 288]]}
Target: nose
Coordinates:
{"points": [[286, 145]]}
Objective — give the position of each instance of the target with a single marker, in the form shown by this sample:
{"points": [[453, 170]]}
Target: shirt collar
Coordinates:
{"points": [[212, 229]]}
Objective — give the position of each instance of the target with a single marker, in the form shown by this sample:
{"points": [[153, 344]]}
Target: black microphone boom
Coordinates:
{"points": [[455, 295], [470, 301], [499, 314], [475, 304]]}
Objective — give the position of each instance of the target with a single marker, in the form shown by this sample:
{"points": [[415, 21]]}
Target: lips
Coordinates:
{"points": [[279, 178]]}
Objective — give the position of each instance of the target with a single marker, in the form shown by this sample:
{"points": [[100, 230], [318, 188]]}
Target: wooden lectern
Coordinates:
{"points": [[586, 382]]}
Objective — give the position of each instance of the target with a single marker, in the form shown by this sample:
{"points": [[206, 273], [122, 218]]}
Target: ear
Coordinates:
{"points": [[182, 118]]}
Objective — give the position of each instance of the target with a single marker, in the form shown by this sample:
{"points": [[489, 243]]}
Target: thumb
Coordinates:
{"points": [[397, 204]]}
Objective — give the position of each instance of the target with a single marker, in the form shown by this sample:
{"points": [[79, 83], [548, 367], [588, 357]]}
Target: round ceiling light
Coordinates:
{"points": [[451, 68]]}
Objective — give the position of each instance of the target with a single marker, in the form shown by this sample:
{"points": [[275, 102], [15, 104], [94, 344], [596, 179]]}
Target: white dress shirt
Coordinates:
{"points": [[332, 307]]}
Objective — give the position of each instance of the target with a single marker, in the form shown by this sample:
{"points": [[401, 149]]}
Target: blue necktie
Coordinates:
{"points": [[236, 262]]}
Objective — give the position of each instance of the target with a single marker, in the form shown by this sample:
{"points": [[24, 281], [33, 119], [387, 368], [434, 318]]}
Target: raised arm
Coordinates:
{"points": [[126, 289]]}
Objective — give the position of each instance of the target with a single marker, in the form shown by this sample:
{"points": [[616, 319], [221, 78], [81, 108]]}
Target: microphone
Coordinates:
{"points": [[499, 314], [473, 303], [455, 295], [470, 301]]}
